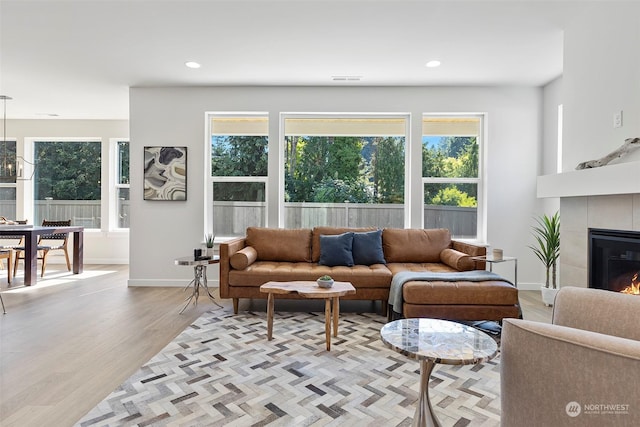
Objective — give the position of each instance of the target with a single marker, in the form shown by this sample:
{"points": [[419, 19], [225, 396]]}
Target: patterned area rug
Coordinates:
{"points": [[222, 371]]}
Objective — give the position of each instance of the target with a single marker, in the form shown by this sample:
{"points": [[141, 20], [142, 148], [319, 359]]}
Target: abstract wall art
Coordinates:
{"points": [[165, 173]]}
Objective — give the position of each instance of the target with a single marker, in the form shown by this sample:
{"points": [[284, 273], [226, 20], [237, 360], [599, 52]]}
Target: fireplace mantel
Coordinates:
{"points": [[619, 178]]}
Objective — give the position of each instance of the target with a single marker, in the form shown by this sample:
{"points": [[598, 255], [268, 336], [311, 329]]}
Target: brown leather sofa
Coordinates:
{"points": [[270, 254]]}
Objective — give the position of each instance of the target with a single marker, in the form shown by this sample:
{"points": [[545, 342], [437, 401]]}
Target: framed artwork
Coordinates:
{"points": [[165, 173]]}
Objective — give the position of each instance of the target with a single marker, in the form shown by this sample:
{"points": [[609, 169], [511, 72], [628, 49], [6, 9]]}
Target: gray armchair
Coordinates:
{"points": [[581, 370]]}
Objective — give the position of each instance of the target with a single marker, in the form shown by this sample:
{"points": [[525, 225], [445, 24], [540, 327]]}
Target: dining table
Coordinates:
{"points": [[31, 235]]}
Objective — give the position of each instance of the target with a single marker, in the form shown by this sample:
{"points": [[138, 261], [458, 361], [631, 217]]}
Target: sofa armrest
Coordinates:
{"points": [[227, 249], [458, 260], [548, 371], [471, 250], [468, 248], [597, 310]]}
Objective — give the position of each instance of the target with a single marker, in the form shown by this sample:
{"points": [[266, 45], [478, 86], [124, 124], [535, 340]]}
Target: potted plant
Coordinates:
{"points": [[325, 281], [547, 249], [209, 239]]}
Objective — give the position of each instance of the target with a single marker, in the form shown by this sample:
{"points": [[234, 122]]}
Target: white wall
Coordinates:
{"points": [[100, 247], [601, 76], [552, 98], [162, 231]]}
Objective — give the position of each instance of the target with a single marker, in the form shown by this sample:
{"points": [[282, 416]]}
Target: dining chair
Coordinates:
{"points": [[46, 244], [8, 255]]}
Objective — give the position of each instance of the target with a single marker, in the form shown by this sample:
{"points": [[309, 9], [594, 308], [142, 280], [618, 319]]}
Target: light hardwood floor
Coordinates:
{"points": [[69, 341]]}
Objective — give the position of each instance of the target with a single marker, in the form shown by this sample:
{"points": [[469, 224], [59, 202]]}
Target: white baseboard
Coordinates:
{"points": [[165, 283], [529, 286]]}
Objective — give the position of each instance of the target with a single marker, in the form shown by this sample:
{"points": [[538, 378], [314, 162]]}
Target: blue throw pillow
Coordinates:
{"points": [[367, 248], [336, 250]]}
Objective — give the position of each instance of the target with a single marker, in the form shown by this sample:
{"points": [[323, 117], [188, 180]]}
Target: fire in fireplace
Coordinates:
{"points": [[614, 260]]}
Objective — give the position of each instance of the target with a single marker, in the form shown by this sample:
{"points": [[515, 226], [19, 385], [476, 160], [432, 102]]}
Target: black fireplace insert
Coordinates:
{"points": [[614, 258]]}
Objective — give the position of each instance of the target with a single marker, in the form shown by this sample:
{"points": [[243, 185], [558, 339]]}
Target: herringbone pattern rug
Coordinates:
{"points": [[222, 371]]}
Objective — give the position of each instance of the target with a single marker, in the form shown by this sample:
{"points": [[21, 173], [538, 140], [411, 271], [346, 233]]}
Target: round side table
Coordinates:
{"points": [[434, 341], [199, 278]]}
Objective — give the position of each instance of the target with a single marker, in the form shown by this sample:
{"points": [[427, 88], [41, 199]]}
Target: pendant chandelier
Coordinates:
{"points": [[7, 160]]}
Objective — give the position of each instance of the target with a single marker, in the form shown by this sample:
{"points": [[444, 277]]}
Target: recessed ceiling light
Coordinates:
{"points": [[192, 64], [433, 64]]}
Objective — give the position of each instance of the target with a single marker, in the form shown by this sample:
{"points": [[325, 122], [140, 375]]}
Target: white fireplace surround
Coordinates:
{"points": [[577, 215], [619, 178]]}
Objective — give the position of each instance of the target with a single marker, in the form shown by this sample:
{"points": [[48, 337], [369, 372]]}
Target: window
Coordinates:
{"points": [[239, 155], [8, 179], [343, 170], [451, 175], [122, 184], [67, 182], [559, 148]]}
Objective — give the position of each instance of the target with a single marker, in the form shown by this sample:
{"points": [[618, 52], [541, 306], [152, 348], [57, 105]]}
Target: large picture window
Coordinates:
{"points": [[67, 182], [239, 157], [451, 173], [345, 171]]}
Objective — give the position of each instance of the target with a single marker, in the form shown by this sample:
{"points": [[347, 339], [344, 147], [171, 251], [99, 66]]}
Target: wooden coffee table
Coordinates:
{"points": [[307, 289]]}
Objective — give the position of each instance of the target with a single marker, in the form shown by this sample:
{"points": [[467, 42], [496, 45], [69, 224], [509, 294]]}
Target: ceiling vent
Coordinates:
{"points": [[346, 78]]}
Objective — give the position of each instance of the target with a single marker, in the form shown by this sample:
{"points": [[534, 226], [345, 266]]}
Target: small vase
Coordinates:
{"points": [[548, 295], [325, 283], [211, 252]]}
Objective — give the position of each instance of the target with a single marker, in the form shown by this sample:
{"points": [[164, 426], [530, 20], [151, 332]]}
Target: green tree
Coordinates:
{"points": [[452, 196], [67, 170], [344, 159], [388, 170], [238, 155], [338, 191]]}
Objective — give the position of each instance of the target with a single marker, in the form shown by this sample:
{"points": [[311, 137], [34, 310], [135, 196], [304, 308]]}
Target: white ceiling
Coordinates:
{"points": [[77, 59]]}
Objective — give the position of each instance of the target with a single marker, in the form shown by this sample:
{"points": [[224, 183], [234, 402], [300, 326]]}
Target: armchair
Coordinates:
{"points": [[581, 370]]}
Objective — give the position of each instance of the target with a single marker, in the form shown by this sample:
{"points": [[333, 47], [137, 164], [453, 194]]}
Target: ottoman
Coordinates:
{"points": [[461, 300]]}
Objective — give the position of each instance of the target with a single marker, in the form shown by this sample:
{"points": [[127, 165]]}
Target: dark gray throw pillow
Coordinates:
{"points": [[336, 250], [367, 248]]}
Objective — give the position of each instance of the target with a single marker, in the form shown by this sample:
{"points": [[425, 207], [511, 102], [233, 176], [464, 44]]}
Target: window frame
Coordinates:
{"points": [[480, 181], [19, 174], [29, 189], [344, 115], [209, 179], [116, 186]]}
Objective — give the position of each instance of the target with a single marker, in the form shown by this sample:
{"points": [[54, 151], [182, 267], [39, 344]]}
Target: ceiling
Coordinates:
{"points": [[77, 59]]}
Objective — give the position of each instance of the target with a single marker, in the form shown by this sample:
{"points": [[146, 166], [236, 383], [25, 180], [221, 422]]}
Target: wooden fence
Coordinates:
{"points": [[232, 218]]}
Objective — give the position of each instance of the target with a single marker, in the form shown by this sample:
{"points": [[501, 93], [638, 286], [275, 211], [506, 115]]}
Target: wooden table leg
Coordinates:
{"points": [[336, 313], [327, 321], [270, 304]]}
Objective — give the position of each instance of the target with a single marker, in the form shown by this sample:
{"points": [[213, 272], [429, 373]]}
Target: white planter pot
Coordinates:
{"points": [[548, 295], [210, 252]]}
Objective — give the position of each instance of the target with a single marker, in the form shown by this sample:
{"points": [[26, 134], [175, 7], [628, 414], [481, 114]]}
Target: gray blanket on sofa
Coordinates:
{"points": [[399, 279]]}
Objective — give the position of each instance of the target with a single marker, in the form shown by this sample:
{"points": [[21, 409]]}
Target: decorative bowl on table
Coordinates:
{"points": [[325, 282]]}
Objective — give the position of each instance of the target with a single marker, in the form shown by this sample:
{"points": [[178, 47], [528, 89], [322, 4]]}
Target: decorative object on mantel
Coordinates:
{"points": [[630, 144], [547, 235]]}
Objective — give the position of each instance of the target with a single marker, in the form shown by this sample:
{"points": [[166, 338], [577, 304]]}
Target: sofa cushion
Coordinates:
{"points": [[414, 245], [458, 260], [330, 231], [278, 244], [367, 248], [361, 276], [336, 250], [243, 258]]}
